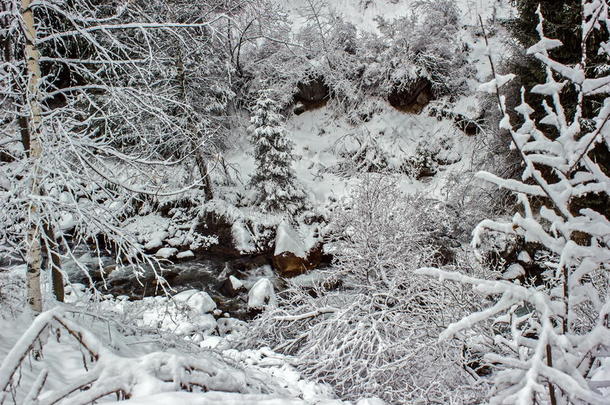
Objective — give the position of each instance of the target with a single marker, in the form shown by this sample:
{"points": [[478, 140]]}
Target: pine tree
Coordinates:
{"points": [[274, 180], [562, 21]]}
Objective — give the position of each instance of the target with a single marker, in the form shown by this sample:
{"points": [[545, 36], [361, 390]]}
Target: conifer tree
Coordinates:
{"points": [[274, 180], [562, 21]]}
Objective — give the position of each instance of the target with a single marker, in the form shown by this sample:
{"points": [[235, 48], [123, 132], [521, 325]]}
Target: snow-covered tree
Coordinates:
{"points": [[206, 75], [274, 181], [553, 337], [87, 112], [369, 326]]}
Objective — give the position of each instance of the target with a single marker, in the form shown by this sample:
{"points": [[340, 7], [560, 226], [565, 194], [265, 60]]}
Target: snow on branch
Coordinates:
{"points": [[109, 373], [552, 335]]}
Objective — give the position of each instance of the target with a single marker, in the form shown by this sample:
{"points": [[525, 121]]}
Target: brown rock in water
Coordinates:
{"points": [[288, 264]]}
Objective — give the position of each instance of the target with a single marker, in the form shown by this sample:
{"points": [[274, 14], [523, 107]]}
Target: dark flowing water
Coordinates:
{"points": [[200, 274]]}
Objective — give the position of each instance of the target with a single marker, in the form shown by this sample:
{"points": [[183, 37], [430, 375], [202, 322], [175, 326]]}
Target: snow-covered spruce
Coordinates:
{"points": [[274, 181]]}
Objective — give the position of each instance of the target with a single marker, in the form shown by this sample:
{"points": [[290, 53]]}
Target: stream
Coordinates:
{"points": [[200, 274]]}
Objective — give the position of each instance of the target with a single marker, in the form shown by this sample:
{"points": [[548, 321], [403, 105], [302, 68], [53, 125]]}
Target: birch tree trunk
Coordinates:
{"points": [[34, 252]]}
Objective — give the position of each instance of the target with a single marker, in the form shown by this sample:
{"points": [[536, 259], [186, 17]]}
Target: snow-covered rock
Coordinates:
{"points": [[204, 324], [166, 253], [198, 301], [235, 283], [227, 326], [515, 270], [156, 240], [295, 250], [288, 240], [210, 342], [261, 294], [185, 255], [232, 286], [242, 239]]}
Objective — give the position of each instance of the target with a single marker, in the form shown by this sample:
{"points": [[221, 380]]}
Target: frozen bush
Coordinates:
{"points": [[368, 327]]}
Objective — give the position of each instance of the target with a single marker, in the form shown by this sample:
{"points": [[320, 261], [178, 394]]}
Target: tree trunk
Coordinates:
{"points": [[205, 177], [10, 49], [34, 251], [206, 185], [54, 262]]}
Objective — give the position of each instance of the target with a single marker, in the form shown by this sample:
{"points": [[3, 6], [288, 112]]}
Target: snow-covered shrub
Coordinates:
{"points": [[433, 150], [274, 180], [335, 53], [362, 152], [355, 65], [554, 344], [467, 201], [368, 327], [423, 44], [422, 164]]}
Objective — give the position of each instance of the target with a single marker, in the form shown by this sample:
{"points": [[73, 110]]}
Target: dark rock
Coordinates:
{"points": [[413, 97], [219, 227], [467, 126], [474, 360], [240, 269], [446, 252], [288, 264], [229, 290], [312, 93], [6, 156], [245, 264], [7, 260], [299, 108], [312, 90]]}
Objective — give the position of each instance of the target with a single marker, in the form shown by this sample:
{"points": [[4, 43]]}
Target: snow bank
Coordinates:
{"points": [[288, 240], [212, 398]]}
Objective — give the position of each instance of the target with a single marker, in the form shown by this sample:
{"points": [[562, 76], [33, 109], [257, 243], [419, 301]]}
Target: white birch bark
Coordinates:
{"points": [[34, 252]]}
